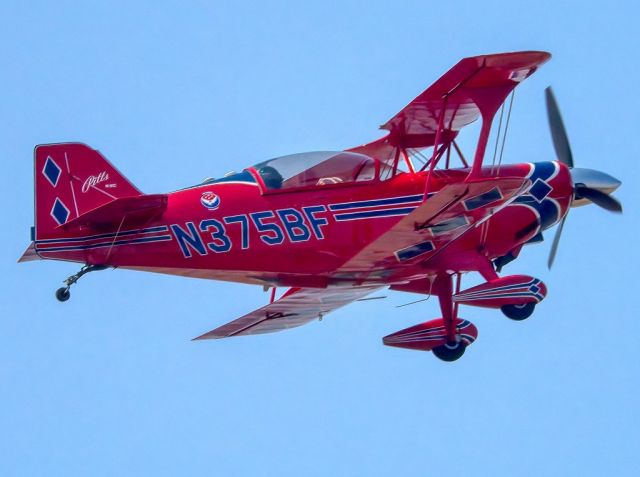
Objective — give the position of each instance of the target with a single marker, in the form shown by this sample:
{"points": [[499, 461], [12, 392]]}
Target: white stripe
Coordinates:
{"points": [[73, 192]]}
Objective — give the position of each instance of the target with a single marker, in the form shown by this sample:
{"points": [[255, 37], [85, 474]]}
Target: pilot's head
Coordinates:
{"points": [[271, 177]]}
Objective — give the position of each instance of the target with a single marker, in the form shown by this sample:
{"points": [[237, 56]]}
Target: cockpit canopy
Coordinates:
{"points": [[313, 169]]}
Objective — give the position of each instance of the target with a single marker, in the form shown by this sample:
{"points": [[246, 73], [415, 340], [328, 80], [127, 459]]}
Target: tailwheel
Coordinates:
{"points": [[450, 352], [63, 294], [518, 312]]}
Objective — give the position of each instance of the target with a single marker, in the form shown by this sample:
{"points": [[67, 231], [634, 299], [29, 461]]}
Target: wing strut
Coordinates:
{"points": [[488, 103], [457, 148], [474, 88], [435, 148], [407, 160], [488, 100]]}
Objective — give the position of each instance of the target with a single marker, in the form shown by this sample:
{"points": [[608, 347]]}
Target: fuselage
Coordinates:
{"points": [[234, 230]]}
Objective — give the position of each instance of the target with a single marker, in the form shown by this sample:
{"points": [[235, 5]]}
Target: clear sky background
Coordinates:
{"points": [[172, 92]]}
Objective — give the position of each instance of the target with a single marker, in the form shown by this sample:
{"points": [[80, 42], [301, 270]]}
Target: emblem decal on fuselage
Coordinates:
{"points": [[210, 200]]}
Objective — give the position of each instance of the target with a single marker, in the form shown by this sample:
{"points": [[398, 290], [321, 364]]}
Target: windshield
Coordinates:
{"points": [[316, 169]]}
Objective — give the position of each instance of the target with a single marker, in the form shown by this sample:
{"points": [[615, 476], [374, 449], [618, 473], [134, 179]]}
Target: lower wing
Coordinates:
{"points": [[297, 307]]}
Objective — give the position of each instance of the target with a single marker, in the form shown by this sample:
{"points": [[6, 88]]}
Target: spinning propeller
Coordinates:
{"points": [[589, 186]]}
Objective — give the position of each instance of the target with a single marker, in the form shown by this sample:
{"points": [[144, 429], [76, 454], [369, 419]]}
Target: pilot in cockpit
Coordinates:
{"points": [[271, 177]]}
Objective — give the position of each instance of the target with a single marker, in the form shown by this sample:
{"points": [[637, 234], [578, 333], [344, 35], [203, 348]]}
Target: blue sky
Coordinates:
{"points": [[172, 92]]}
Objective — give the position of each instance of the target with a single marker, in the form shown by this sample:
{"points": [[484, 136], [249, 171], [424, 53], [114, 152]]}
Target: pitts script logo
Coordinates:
{"points": [[210, 200], [92, 181]]}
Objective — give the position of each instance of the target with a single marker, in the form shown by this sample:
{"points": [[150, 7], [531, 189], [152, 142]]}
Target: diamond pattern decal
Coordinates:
{"points": [[51, 171], [59, 212], [540, 190]]}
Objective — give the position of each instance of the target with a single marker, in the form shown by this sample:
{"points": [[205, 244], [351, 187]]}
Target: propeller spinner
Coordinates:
{"points": [[589, 186]]}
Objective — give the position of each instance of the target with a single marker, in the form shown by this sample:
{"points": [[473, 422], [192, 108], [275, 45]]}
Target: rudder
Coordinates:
{"points": [[70, 180]]}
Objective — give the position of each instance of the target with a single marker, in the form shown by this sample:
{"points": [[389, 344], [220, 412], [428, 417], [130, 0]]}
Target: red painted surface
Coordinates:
{"points": [[509, 290], [426, 336], [329, 259], [334, 227]]}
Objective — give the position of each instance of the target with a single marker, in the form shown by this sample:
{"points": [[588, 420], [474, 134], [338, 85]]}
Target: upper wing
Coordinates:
{"points": [[442, 218], [473, 85], [297, 306]]}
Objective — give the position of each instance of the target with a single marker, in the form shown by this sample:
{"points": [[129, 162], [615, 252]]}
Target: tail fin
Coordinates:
{"points": [[70, 180]]}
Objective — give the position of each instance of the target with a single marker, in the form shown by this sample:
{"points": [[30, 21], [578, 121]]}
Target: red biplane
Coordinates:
{"points": [[334, 227]]}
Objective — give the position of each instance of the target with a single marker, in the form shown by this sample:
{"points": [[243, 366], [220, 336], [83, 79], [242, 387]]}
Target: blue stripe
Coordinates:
{"points": [[374, 213], [161, 238], [109, 235], [493, 291], [372, 203], [535, 281], [244, 176], [503, 295]]}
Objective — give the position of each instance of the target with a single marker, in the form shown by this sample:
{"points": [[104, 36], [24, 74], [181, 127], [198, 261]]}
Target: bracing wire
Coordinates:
{"points": [[431, 280], [495, 150], [506, 128], [418, 155]]}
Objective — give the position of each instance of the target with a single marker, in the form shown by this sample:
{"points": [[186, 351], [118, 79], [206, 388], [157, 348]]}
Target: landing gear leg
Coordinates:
{"points": [[63, 293], [454, 348]]}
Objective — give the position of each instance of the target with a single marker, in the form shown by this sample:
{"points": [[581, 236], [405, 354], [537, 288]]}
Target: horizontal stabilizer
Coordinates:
{"points": [[29, 254], [134, 210]]}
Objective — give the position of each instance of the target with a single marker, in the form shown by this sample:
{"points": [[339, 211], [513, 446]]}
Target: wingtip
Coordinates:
{"points": [[207, 336]]}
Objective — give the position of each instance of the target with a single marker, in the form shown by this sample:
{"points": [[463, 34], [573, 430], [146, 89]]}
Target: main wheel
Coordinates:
{"points": [[450, 352], [63, 294], [518, 312]]}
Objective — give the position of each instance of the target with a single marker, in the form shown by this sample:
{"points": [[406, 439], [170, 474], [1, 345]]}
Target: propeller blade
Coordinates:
{"points": [[599, 198], [554, 245], [558, 132]]}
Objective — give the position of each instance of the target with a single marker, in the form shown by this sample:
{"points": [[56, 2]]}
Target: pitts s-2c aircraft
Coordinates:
{"points": [[337, 226]]}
